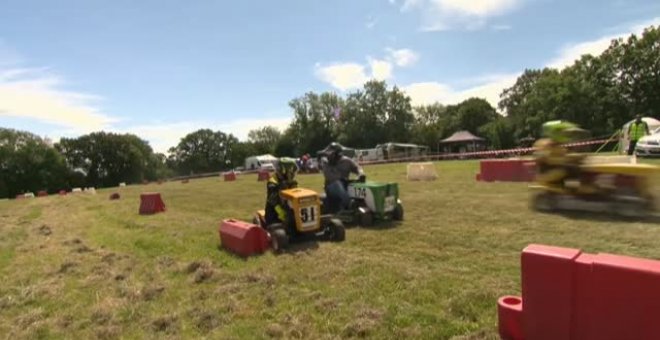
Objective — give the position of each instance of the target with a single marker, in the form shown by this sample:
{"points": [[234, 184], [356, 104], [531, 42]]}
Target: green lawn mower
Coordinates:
{"points": [[372, 201]]}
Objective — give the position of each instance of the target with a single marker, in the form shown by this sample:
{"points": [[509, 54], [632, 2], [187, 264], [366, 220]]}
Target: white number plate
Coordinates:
{"points": [[390, 203], [308, 216]]}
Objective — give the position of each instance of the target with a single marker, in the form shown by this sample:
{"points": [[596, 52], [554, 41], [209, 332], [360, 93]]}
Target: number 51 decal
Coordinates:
{"points": [[308, 214]]}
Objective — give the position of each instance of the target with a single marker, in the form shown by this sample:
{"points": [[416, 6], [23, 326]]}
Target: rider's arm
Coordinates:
{"points": [[273, 194]]}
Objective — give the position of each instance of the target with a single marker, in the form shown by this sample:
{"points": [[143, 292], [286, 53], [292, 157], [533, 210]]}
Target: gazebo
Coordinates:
{"points": [[462, 141]]}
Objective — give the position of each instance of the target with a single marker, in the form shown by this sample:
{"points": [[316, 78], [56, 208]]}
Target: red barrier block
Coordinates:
{"points": [[230, 176], [243, 238], [547, 278], [571, 295], [509, 315], [116, 196], [20, 196], [506, 170], [151, 203], [62, 192], [42, 193], [263, 175]]}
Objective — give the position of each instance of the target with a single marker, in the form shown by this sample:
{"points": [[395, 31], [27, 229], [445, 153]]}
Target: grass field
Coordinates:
{"points": [[85, 267]]}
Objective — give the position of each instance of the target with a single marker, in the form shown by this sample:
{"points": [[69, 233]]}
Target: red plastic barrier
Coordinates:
{"points": [[151, 203], [243, 238], [230, 176], [509, 315], [20, 196], [263, 175], [62, 193], [116, 196], [571, 295], [506, 170], [42, 193]]}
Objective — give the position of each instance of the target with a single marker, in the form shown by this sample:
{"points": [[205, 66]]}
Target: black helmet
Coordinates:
{"points": [[334, 148]]}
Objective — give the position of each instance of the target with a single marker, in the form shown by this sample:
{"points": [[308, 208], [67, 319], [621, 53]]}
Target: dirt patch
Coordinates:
{"points": [[151, 293], [205, 321], [192, 267], [30, 318], [120, 277], [67, 267], [72, 242], [326, 305], [108, 332], [82, 249], [202, 274], [109, 258], [260, 278], [65, 321], [101, 317], [45, 230], [365, 321], [166, 324], [275, 330], [166, 261]]}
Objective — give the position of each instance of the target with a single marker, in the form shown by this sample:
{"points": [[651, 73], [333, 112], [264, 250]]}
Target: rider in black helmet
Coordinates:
{"points": [[336, 170]]}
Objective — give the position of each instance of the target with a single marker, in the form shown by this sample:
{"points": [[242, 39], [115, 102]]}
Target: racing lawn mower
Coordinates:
{"points": [[622, 188], [304, 220], [370, 202]]}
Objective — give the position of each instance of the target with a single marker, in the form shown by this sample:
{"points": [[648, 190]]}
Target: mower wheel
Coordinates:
{"points": [[366, 219], [279, 240], [544, 202], [335, 230], [397, 214], [632, 209]]}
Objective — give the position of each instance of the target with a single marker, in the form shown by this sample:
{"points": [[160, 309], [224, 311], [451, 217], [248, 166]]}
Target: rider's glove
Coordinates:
{"points": [[281, 213]]}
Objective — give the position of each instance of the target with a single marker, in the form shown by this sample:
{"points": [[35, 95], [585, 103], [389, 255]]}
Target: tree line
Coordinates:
{"points": [[601, 93]]}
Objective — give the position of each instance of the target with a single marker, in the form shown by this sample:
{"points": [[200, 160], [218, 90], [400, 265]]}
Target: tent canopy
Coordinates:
{"points": [[462, 137]]}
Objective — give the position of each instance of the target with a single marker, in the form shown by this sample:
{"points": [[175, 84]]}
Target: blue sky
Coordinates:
{"points": [[162, 68]]}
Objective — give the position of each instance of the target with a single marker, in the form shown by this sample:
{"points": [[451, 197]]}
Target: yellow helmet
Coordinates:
{"points": [[286, 168]]}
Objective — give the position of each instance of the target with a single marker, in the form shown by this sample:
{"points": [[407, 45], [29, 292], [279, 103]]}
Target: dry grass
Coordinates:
{"points": [[86, 267]]}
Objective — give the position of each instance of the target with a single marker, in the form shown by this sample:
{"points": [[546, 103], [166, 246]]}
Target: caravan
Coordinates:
{"points": [[260, 162]]}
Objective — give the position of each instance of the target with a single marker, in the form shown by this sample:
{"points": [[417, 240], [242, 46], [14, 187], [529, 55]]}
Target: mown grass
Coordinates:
{"points": [[83, 266]]}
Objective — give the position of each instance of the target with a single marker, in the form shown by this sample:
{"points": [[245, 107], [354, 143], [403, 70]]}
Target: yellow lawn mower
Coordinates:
{"points": [[304, 220]]}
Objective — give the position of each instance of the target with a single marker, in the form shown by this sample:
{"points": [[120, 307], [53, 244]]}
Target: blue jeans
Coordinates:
{"points": [[337, 196]]}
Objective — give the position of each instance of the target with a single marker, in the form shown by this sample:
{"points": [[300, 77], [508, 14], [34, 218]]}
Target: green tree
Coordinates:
{"points": [[202, 151], [264, 139], [110, 158], [314, 123], [28, 163], [376, 115]]}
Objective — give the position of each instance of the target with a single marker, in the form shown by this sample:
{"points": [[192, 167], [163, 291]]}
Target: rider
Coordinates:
{"points": [[282, 179], [636, 131], [336, 170], [554, 163]]}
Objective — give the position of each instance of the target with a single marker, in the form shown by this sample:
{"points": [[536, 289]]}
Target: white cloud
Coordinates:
{"points": [[37, 94], [438, 15], [162, 136], [346, 76], [425, 93], [490, 87], [342, 76], [380, 69], [403, 57], [570, 53]]}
